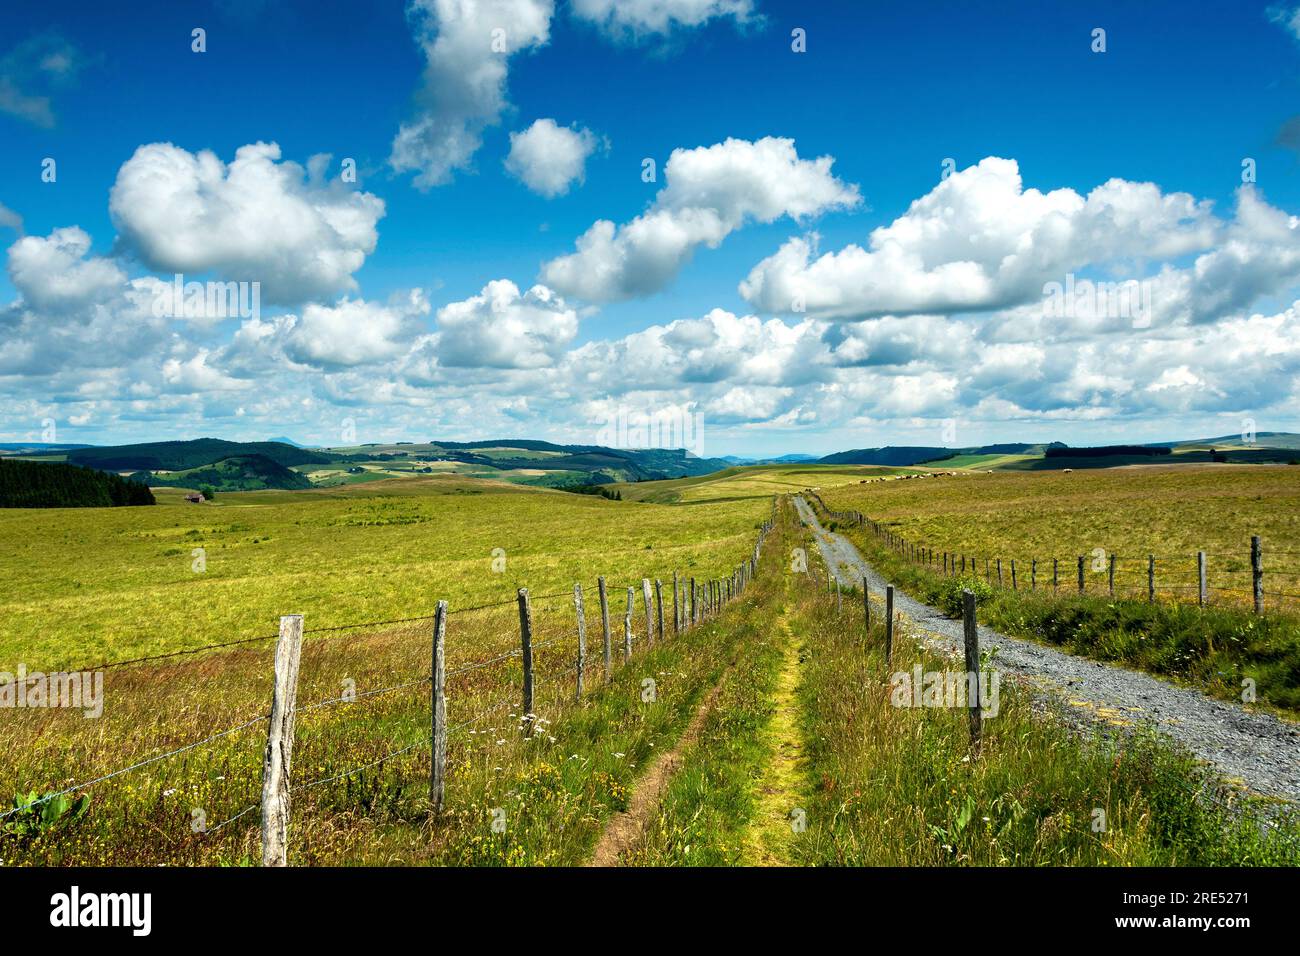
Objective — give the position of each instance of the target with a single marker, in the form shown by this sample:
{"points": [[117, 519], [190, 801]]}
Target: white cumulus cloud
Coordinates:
{"points": [[500, 328], [711, 192], [638, 19], [549, 158], [467, 46], [254, 220]]}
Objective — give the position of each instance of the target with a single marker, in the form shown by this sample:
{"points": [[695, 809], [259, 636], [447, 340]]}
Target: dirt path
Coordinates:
{"points": [[1248, 747], [778, 791], [625, 829]]}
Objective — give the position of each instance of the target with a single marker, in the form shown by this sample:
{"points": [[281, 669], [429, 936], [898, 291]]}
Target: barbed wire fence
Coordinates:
{"points": [[520, 646], [1204, 578]]}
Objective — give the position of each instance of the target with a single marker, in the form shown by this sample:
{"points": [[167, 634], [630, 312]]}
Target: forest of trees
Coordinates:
{"points": [[41, 484]]}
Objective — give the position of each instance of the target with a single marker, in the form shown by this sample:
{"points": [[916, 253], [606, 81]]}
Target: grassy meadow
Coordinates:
{"points": [[85, 585]]}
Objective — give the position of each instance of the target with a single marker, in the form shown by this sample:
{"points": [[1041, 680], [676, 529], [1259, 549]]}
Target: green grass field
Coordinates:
{"points": [[88, 585]]}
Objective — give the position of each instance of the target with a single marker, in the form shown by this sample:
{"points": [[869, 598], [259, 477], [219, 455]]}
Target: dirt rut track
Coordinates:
{"points": [[1252, 748]]}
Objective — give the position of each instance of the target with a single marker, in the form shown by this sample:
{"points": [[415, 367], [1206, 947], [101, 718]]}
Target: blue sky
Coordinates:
{"points": [[1181, 95]]}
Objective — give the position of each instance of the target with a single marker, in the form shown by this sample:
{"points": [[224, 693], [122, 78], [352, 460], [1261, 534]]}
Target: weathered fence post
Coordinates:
{"points": [[649, 612], [866, 606], [676, 610], [1257, 572], [627, 624], [1151, 578], [604, 623], [1056, 563], [1081, 574], [582, 636], [839, 600], [1111, 575], [971, 634], [279, 744], [659, 607], [889, 626], [1014, 585], [1033, 574], [1200, 576], [695, 609], [438, 730], [999, 572], [526, 653]]}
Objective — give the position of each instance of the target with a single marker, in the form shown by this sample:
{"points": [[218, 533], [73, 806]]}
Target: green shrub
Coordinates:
{"points": [[950, 593]]}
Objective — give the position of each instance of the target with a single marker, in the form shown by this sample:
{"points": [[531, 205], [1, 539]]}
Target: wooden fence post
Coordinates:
{"points": [[839, 600], [866, 606], [1257, 572], [648, 601], [279, 744], [1111, 575], [1056, 563], [889, 626], [1080, 574], [677, 614], [695, 609], [582, 636], [971, 634], [999, 572], [604, 623], [1151, 578], [627, 624], [526, 649], [1200, 576], [1033, 574], [438, 730], [1014, 585], [659, 607]]}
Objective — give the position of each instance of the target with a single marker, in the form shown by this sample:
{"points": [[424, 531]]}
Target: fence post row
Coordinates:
{"points": [[677, 618], [438, 730], [526, 651], [279, 743]]}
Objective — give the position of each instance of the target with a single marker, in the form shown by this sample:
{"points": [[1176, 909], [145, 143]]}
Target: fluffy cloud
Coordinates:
{"points": [[255, 220], [712, 191], [352, 331], [467, 46], [637, 19], [53, 273], [979, 241], [548, 158], [501, 329], [10, 219]]}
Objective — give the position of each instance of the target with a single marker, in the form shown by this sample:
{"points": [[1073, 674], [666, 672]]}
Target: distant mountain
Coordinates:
{"points": [[1262, 440], [236, 473], [787, 460], [596, 463], [183, 455], [902, 456], [35, 447], [287, 441]]}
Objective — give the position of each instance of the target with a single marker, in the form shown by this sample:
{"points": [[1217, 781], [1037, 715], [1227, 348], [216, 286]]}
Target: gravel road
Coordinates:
{"points": [[1250, 748]]}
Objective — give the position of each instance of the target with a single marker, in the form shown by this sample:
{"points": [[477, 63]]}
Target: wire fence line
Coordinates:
{"points": [[1150, 576], [552, 657]]}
